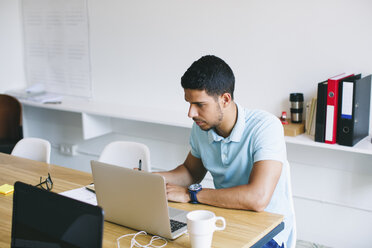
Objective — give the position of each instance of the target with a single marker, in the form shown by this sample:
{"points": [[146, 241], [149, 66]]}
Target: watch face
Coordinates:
{"points": [[195, 187]]}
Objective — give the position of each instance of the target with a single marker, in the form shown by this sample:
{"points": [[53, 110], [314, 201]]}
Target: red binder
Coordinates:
{"points": [[332, 107]]}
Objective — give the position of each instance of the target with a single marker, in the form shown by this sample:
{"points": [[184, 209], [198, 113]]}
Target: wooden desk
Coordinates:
{"points": [[243, 228]]}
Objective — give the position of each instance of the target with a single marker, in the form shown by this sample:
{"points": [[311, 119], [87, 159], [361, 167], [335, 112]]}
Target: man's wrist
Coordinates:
{"points": [[193, 191]]}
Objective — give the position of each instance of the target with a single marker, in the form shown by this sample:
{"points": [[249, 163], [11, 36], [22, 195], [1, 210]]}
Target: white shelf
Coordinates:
{"points": [[145, 114], [94, 123], [96, 116], [364, 146]]}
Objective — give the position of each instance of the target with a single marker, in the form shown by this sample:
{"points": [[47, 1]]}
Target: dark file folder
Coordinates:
{"points": [[355, 96], [321, 106]]}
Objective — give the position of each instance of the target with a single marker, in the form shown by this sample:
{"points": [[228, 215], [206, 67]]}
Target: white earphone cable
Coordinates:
{"points": [[134, 243]]}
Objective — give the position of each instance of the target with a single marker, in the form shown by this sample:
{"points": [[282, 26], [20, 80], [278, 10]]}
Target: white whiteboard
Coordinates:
{"points": [[56, 42]]}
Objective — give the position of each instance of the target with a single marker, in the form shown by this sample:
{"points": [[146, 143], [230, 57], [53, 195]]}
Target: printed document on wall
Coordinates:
{"points": [[56, 41]]}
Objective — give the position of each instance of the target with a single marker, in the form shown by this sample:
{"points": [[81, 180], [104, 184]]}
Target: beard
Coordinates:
{"points": [[206, 126]]}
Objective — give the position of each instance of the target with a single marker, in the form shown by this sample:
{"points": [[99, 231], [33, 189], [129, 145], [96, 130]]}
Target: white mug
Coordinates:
{"points": [[200, 225]]}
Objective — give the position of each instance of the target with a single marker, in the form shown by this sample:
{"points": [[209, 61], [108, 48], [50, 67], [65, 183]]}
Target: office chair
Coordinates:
{"points": [[10, 123], [33, 148], [293, 235], [126, 154]]}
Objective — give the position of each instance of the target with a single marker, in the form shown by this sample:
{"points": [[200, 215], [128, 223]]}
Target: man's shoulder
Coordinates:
{"points": [[261, 122], [259, 115]]}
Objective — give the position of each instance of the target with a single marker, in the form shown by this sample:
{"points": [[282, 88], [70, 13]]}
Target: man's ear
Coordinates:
{"points": [[225, 99]]}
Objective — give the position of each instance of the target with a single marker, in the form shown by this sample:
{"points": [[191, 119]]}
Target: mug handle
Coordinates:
{"points": [[220, 228]]}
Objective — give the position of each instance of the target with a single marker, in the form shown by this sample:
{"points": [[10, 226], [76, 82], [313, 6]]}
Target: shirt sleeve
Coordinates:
{"points": [[269, 143], [194, 142]]}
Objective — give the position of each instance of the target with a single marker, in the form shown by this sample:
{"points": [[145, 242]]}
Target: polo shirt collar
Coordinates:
{"points": [[237, 132]]}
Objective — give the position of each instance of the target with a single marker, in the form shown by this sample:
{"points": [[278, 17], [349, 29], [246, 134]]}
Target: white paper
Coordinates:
{"points": [[47, 98], [347, 100], [35, 88], [56, 41], [81, 194], [39, 97], [329, 123]]}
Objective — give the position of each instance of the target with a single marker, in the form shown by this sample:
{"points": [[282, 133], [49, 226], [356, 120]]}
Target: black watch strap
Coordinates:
{"points": [[193, 197]]}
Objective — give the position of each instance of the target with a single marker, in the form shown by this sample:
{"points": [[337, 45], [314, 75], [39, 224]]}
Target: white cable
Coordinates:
{"points": [[134, 243]]}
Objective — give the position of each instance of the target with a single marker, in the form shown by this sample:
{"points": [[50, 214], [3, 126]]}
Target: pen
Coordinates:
{"points": [[52, 102], [140, 165], [90, 187], [91, 190]]}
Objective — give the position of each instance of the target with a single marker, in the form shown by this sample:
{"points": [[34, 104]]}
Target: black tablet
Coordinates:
{"points": [[46, 219]]}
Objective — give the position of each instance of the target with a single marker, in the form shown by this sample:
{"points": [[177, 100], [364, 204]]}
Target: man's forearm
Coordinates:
{"points": [[239, 197], [255, 195], [179, 176]]}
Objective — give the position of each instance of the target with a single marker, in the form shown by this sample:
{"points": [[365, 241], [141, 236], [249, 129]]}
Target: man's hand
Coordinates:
{"points": [[177, 193]]}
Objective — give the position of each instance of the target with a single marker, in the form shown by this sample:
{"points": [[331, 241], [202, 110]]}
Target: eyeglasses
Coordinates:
{"points": [[47, 184]]}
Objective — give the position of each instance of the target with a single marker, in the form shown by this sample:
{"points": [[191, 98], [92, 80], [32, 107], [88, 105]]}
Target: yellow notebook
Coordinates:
{"points": [[6, 189]]}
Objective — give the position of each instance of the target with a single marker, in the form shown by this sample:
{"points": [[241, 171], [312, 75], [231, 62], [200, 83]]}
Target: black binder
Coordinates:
{"points": [[321, 106], [354, 109]]}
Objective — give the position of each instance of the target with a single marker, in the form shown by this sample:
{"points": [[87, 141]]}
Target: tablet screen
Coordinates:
{"points": [[46, 219]]}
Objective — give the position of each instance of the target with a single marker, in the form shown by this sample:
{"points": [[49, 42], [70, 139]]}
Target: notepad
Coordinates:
{"points": [[81, 194], [6, 189]]}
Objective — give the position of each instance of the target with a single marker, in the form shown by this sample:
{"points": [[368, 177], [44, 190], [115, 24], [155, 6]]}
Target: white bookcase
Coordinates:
{"points": [[364, 146]]}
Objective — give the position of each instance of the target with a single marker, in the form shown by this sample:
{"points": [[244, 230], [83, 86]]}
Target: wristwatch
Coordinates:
{"points": [[193, 190]]}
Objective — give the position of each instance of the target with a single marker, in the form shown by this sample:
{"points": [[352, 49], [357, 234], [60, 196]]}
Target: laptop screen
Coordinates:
{"points": [[46, 219]]}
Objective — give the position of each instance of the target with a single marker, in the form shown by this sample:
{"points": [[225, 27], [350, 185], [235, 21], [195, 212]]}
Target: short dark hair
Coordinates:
{"points": [[211, 74]]}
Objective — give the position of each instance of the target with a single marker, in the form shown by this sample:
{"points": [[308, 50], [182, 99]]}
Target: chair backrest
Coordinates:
{"points": [[126, 154], [293, 236], [33, 148], [10, 118]]}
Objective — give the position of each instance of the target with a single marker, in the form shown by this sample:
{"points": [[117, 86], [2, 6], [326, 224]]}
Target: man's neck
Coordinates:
{"points": [[229, 119]]}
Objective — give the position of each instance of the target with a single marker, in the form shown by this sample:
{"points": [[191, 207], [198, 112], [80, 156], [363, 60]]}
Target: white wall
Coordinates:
{"points": [[332, 195], [274, 47], [139, 50], [11, 49]]}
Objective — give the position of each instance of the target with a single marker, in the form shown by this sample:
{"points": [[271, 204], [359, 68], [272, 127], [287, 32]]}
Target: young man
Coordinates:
{"points": [[244, 150]]}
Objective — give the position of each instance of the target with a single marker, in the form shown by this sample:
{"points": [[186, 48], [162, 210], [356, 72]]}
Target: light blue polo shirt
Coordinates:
{"points": [[257, 135]]}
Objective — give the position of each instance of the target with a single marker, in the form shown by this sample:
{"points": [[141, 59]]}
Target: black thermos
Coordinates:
{"points": [[297, 102]]}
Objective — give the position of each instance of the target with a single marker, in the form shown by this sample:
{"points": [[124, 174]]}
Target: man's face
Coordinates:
{"points": [[205, 110]]}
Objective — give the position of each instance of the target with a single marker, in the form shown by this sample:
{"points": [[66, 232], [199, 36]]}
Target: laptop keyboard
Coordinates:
{"points": [[175, 225]]}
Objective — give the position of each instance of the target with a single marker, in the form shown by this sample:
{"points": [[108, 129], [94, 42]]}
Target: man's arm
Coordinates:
{"points": [[191, 171], [255, 195]]}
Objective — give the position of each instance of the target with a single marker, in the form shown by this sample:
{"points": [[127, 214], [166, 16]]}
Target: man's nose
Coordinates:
{"points": [[192, 112]]}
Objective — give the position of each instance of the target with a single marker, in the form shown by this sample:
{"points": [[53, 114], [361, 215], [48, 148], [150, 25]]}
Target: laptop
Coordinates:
{"points": [[136, 199], [46, 219]]}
